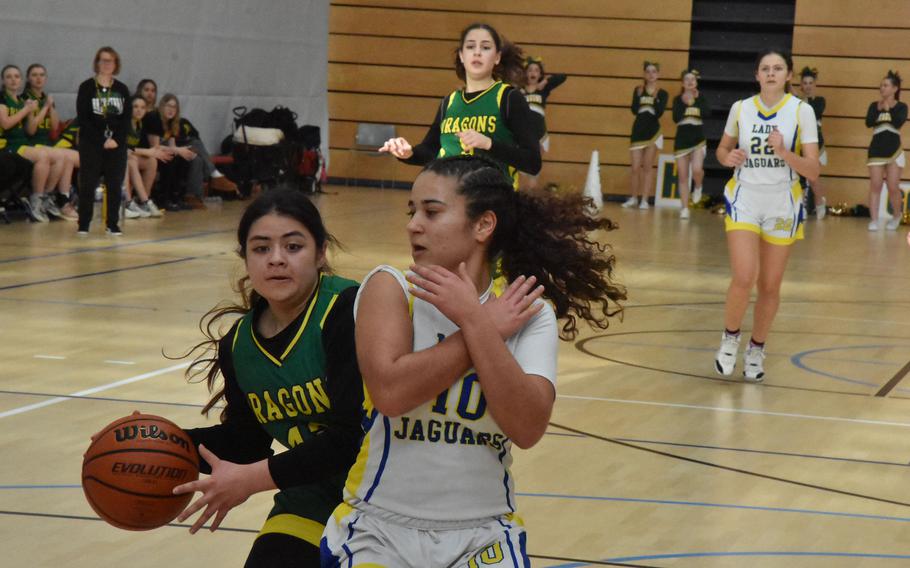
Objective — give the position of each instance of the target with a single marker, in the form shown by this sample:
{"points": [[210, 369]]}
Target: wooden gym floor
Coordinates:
{"points": [[652, 459]]}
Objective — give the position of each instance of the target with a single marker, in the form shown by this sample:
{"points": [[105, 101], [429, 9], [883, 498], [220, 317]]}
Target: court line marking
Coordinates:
{"points": [[738, 410], [749, 553], [99, 273], [797, 360], [93, 390], [109, 399], [117, 246], [897, 378], [735, 469], [53, 357]]}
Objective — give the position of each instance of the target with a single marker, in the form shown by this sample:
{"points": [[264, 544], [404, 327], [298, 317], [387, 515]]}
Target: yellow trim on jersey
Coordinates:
{"points": [[21, 150], [294, 525], [63, 144], [515, 518], [485, 91], [236, 335], [502, 90], [327, 310], [784, 241], [358, 470], [765, 112], [261, 348], [451, 99], [341, 511], [306, 319]]}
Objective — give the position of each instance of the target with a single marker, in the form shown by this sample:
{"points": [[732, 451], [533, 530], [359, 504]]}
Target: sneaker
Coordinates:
{"points": [[49, 206], [644, 203], [725, 359], [33, 207], [631, 202], [684, 213], [114, 231], [82, 232], [132, 211], [893, 224], [753, 364], [821, 210], [151, 208], [873, 225], [696, 195], [69, 213]]}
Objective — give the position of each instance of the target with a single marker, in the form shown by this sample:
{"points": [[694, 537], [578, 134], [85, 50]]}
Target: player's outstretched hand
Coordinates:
{"points": [[398, 147], [226, 488]]}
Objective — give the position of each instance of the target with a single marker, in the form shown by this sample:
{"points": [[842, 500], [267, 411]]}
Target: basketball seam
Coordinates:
{"points": [[101, 511], [127, 491]]}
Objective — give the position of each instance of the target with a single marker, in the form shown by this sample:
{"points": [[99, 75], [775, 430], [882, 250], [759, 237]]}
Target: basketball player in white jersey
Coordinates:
{"points": [[770, 139], [455, 375]]}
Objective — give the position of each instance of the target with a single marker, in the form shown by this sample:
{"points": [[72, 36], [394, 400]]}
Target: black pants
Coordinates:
{"points": [[172, 175], [95, 161], [276, 550]]}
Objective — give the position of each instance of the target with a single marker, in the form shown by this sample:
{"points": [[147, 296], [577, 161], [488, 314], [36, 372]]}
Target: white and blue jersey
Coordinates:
{"points": [[447, 460]]}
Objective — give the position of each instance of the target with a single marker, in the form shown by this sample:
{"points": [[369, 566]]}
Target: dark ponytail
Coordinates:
{"points": [[545, 236], [510, 68], [895, 79]]}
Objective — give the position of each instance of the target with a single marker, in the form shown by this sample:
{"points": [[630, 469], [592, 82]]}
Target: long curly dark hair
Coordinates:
{"points": [[545, 236], [510, 68], [283, 201]]}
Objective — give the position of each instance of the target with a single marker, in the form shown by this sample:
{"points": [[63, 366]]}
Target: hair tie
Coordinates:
{"points": [[688, 71]]}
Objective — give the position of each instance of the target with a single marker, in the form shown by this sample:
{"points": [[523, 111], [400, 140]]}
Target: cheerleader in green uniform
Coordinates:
{"points": [[41, 123], [886, 155], [689, 111], [648, 104], [807, 86], [537, 89], [14, 113], [489, 116]]}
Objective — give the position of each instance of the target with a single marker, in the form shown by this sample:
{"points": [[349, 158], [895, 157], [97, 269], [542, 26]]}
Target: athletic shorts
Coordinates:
{"points": [[354, 538], [775, 212]]}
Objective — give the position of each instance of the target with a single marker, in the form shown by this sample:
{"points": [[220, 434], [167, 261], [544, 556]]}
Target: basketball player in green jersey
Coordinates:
{"points": [[290, 374], [489, 116]]}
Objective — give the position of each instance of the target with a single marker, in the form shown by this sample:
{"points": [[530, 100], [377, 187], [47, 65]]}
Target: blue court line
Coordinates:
{"points": [[797, 360], [117, 246], [770, 354], [759, 553], [716, 506]]}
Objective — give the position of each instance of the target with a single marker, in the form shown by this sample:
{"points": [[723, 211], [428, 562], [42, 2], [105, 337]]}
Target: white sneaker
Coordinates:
{"points": [[152, 209], [753, 364], [684, 213], [644, 203], [131, 211], [35, 208], [873, 225], [49, 206], [631, 202], [696, 195], [821, 210], [893, 224], [725, 359]]}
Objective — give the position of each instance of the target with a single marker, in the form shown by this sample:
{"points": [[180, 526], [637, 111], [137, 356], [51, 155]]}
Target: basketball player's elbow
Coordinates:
{"points": [[527, 436]]}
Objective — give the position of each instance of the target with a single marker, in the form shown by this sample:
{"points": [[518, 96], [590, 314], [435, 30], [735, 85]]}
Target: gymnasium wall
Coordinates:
{"points": [[213, 54], [391, 61], [853, 44]]}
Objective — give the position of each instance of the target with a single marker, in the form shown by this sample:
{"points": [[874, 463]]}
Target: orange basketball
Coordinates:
{"points": [[131, 467]]}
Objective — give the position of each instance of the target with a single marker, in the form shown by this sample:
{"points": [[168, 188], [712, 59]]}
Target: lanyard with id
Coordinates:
{"points": [[105, 104]]}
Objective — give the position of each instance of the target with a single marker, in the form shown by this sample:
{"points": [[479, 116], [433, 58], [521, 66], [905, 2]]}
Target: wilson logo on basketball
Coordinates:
{"points": [[149, 432]]}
